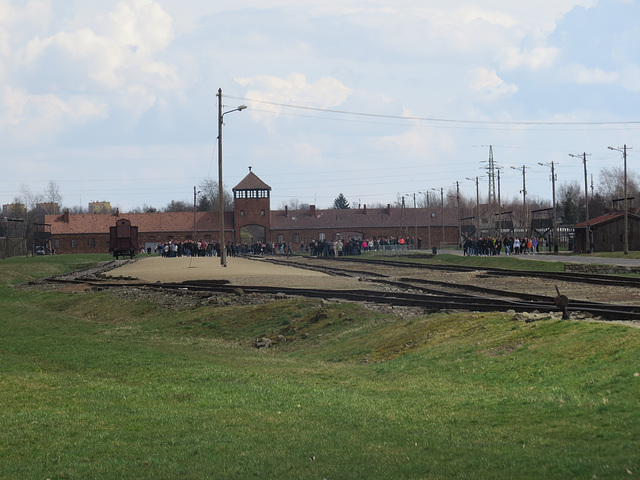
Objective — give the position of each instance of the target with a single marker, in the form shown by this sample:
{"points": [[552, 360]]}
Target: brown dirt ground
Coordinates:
{"points": [[239, 271]]}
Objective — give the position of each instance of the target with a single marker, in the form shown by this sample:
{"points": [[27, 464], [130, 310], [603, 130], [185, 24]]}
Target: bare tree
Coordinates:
{"points": [[77, 210], [294, 204], [52, 197], [178, 206], [611, 183], [208, 198]]}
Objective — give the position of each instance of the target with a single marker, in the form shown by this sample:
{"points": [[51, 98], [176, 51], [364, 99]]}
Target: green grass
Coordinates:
{"points": [[92, 387]]}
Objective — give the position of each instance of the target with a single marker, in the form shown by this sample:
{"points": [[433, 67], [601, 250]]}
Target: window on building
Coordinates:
{"points": [[296, 238], [74, 242], [280, 238], [56, 243], [263, 193], [262, 213], [321, 237], [242, 213], [92, 242]]}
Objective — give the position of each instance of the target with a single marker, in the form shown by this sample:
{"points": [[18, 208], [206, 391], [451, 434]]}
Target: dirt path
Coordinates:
{"points": [[239, 271]]}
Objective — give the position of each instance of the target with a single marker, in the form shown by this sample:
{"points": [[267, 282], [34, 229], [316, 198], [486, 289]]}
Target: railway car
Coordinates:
{"points": [[123, 239]]}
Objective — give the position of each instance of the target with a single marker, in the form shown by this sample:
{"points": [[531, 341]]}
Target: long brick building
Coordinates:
{"points": [[252, 220]]}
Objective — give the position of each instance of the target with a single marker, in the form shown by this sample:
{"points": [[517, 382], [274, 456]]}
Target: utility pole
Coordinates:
{"points": [[429, 213], [586, 199], [499, 208], [221, 114], [525, 212], [223, 253], [458, 206], [477, 218], [626, 206], [491, 197], [442, 203], [415, 220], [555, 213], [195, 228]]}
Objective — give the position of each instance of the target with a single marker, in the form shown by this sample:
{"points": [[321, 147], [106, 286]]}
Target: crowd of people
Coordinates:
{"points": [[338, 247], [355, 246], [489, 246], [482, 246]]}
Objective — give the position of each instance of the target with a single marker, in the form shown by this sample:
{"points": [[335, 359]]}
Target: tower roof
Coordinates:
{"points": [[251, 182]]}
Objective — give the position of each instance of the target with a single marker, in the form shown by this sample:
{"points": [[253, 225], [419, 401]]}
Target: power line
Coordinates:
{"points": [[432, 119]]}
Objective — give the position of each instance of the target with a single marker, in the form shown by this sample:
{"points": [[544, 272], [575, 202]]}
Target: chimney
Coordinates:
{"points": [[65, 216], [312, 210], [286, 210], [389, 209]]}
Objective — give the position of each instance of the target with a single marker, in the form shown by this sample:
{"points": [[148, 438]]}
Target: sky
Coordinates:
{"points": [[116, 100]]}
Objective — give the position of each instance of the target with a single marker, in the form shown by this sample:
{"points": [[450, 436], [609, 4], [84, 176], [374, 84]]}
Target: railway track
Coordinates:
{"points": [[409, 293], [589, 278], [440, 294]]}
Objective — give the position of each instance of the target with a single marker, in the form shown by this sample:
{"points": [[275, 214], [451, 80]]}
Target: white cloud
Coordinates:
{"points": [[534, 59], [488, 83], [26, 116], [327, 92], [111, 53], [142, 24], [589, 76]]}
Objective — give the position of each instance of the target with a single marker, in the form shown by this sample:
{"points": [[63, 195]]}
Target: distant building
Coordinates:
{"points": [[607, 232], [13, 210], [252, 220], [49, 208], [99, 207]]}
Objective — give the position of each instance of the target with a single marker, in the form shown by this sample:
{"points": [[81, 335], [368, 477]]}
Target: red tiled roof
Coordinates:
{"points": [[609, 217], [146, 222], [355, 219], [251, 182]]}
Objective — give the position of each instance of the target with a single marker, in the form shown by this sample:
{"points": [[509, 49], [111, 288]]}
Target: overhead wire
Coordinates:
{"points": [[435, 119]]}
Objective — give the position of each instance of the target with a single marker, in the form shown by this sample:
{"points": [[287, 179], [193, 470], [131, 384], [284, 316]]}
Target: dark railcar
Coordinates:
{"points": [[123, 239]]}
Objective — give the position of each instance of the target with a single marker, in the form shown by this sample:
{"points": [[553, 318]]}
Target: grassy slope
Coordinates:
{"points": [[89, 389]]}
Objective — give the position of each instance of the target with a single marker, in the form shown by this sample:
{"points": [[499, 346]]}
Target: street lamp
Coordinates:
{"points": [[415, 218], [428, 213], [524, 199], [477, 205], [442, 203], [555, 216], [223, 252], [195, 229], [626, 209], [586, 199], [457, 197]]}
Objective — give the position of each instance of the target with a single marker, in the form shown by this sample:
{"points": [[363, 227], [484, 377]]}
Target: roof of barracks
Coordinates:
{"points": [[280, 220], [310, 219]]}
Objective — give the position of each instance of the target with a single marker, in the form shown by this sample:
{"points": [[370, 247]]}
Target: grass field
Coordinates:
{"points": [[93, 387]]}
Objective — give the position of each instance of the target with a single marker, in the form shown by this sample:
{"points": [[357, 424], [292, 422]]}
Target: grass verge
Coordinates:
{"points": [[93, 387]]}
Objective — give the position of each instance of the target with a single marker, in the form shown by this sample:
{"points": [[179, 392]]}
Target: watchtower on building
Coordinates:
{"points": [[252, 205]]}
